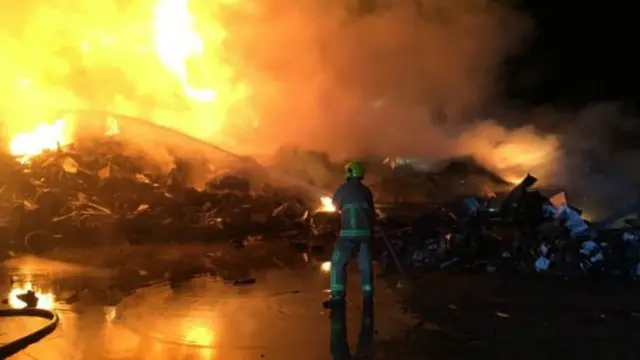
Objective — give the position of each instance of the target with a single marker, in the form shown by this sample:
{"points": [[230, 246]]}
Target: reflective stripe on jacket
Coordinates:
{"points": [[355, 201]]}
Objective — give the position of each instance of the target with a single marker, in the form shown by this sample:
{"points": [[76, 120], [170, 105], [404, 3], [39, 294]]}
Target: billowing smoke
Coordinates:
{"points": [[327, 75], [398, 81], [394, 81], [319, 74], [599, 151]]}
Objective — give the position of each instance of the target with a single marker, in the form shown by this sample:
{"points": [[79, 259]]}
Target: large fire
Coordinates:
{"points": [[176, 41], [48, 137], [215, 70], [154, 48]]}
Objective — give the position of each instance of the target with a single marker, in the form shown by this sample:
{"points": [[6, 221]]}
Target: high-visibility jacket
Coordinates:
{"points": [[355, 202]]}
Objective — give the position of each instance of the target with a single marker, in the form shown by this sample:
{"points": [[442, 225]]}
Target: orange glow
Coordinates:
{"points": [[513, 154], [511, 178], [327, 204], [48, 137], [113, 127], [325, 267], [200, 334], [110, 313], [252, 75], [156, 46], [46, 300], [43, 137], [513, 161], [176, 41]]}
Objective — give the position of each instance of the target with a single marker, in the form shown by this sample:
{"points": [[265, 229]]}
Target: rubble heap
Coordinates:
{"points": [[451, 215], [519, 231], [94, 193]]}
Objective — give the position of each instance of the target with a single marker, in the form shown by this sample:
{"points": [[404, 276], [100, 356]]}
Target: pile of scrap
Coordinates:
{"points": [[455, 214], [439, 216], [524, 231], [93, 193], [437, 181], [395, 180]]}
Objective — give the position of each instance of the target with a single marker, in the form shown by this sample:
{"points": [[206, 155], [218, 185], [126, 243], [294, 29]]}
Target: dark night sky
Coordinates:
{"points": [[583, 52]]}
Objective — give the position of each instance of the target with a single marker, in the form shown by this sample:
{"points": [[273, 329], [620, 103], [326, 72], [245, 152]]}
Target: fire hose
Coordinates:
{"points": [[392, 252], [21, 343]]}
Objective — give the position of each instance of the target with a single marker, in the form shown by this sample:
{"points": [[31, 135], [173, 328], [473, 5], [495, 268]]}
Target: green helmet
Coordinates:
{"points": [[355, 170]]}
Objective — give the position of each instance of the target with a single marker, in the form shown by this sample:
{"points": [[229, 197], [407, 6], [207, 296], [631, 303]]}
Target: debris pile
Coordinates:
{"points": [[447, 215], [522, 231], [95, 193]]}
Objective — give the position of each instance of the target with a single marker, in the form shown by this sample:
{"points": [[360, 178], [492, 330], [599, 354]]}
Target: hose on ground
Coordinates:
{"points": [[20, 344]]}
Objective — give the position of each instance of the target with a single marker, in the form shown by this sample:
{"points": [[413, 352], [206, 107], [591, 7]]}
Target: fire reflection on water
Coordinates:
{"points": [[199, 334]]}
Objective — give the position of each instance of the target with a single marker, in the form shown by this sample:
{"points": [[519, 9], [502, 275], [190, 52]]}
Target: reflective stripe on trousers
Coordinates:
{"points": [[343, 248]]}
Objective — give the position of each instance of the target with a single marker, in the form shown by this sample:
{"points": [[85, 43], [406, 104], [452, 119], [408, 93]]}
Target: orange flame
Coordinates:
{"points": [[46, 300], [325, 267], [44, 137], [217, 69], [173, 44], [327, 204]]}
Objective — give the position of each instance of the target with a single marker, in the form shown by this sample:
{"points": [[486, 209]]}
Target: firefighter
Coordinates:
{"points": [[354, 200]]}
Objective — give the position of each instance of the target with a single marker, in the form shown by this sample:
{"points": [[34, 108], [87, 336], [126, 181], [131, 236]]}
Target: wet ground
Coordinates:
{"points": [[184, 317], [468, 316], [457, 316]]}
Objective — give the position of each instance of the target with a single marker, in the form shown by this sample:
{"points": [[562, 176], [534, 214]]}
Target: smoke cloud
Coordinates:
{"points": [[397, 80], [313, 73], [389, 82], [411, 83], [323, 75]]}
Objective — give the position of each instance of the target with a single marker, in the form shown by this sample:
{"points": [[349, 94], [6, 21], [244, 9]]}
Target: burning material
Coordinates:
{"points": [[325, 267], [42, 138], [327, 204], [104, 188], [26, 295], [155, 51], [98, 190], [176, 41], [50, 137]]}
